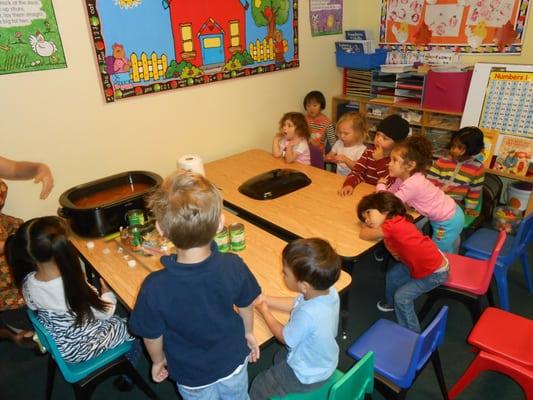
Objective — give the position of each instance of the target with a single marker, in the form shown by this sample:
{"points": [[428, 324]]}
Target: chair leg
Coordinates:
{"points": [[437, 366], [139, 381], [490, 362], [426, 307], [476, 309], [527, 273], [500, 274], [490, 295], [50, 377]]}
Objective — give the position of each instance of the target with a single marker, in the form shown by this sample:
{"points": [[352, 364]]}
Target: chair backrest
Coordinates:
{"points": [[492, 190], [428, 341], [357, 382], [47, 341], [524, 234], [317, 156]]}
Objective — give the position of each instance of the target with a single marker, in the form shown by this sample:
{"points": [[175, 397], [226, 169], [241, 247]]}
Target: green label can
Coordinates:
{"points": [[222, 240], [135, 217], [236, 235], [135, 235]]}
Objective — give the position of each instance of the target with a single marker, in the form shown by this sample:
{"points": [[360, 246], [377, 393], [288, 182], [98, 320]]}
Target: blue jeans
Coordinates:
{"points": [[446, 234], [401, 291], [234, 388]]}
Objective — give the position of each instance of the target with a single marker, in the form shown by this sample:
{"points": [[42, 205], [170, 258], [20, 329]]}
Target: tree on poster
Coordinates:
{"points": [[147, 46], [29, 37]]}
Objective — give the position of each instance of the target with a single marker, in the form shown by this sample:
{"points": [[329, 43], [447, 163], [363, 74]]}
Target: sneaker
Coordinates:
{"points": [[378, 256], [384, 306]]}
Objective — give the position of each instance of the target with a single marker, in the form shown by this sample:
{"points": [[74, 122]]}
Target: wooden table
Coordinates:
{"points": [[262, 255], [313, 211]]}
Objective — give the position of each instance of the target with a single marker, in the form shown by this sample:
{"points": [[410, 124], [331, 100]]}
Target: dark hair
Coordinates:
{"points": [[299, 121], [316, 96], [45, 239], [416, 149], [16, 254], [313, 261], [471, 137], [384, 202]]}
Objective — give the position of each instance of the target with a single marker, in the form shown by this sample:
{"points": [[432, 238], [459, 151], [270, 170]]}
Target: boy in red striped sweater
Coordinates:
{"points": [[372, 164], [461, 175]]}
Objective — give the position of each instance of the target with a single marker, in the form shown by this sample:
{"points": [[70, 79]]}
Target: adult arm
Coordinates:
{"points": [[24, 170]]}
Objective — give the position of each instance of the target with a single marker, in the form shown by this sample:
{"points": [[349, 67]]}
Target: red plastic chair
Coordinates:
{"points": [[504, 342], [468, 281]]}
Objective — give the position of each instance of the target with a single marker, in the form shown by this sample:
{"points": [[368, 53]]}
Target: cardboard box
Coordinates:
{"points": [[446, 90]]}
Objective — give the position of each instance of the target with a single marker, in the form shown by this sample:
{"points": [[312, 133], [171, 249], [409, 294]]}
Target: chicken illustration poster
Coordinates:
{"points": [[29, 37], [147, 46], [461, 26]]}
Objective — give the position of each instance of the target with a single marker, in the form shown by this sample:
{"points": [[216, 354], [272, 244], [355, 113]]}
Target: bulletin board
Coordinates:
{"points": [[462, 26], [148, 46], [499, 101]]}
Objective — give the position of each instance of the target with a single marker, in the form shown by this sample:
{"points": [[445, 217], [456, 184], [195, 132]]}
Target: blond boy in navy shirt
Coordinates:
{"points": [[185, 312]]}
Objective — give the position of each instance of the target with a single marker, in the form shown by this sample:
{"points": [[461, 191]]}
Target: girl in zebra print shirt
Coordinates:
{"points": [[79, 319]]}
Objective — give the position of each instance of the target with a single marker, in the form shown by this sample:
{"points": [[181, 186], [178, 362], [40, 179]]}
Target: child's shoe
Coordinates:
{"points": [[383, 306]]}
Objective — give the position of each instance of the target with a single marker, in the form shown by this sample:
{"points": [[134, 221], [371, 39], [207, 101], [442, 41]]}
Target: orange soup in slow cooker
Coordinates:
{"points": [[112, 194]]}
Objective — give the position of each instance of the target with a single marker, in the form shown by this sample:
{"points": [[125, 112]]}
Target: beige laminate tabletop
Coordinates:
{"points": [[313, 211], [262, 255]]}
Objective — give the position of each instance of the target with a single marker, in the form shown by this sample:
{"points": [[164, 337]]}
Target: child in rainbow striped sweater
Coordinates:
{"points": [[461, 174]]}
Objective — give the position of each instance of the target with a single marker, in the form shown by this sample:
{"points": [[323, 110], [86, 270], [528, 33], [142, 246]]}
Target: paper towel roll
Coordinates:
{"points": [[190, 162]]}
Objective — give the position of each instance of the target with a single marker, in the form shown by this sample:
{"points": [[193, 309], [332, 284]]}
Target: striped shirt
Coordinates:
{"points": [[463, 181], [321, 129], [367, 169]]}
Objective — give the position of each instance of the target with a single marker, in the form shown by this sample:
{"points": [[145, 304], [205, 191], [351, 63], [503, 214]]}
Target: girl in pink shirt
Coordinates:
{"points": [[409, 162], [292, 141]]}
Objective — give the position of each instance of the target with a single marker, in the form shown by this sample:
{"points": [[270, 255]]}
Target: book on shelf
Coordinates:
{"points": [[490, 138], [396, 68], [515, 155], [356, 46]]}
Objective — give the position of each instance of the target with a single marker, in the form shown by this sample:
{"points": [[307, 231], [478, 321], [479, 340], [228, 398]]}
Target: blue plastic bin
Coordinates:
{"points": [[361, 60]]}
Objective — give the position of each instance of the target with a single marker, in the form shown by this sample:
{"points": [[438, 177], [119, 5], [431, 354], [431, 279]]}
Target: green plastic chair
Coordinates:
{"points": [[353, 385]]}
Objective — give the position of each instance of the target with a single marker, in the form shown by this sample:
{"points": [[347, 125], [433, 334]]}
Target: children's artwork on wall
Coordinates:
{"points": [[326, 17], [462, 26], [29, 37], [147, 46]]}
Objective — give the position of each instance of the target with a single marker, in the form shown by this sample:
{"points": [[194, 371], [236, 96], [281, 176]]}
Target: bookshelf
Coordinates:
{"points": [[437, 125]]}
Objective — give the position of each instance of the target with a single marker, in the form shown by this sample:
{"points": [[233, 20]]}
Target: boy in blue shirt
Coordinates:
{"points": [[185, 312], [311, 267]]}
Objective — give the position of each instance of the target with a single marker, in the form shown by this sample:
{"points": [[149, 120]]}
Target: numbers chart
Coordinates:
{"points": [[507, 106]]}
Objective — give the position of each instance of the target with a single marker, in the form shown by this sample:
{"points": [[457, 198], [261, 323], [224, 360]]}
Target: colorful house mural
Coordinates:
{"points": [[207, 34], [147, 46]]}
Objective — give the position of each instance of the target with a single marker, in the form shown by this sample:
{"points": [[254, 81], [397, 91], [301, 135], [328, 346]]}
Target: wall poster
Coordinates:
{"points": [[326, 17], [29, 37], [462, 26], [147, 46]]}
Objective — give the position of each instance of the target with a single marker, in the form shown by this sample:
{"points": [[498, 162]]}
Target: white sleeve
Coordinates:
{"points": [[337, 147]]}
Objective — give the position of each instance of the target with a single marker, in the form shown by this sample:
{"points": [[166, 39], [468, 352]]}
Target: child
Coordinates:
{"points": [[373, 163], [422, 266], [311, 267], [80, 321], [185, 312], [461, 174], [321, 128], [291, 142], [409, 161], [352, 131]]}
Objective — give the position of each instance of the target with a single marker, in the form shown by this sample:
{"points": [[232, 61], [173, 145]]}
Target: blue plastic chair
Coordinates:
{"points": [[479, 245], [355, 384], [401, 354], [86, 375]]}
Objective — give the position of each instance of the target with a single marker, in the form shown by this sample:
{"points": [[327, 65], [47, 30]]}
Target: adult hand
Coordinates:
{"points": [[44, 176], [159, 371], [345, 191]]}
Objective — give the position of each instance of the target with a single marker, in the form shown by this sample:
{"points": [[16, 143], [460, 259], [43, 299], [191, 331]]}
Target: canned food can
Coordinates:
{"points": [[222, 240], [135, 235], [236, 235], [135, 217]]}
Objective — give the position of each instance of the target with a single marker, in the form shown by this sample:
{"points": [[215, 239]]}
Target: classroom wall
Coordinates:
{"points": [[60, 117]]}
